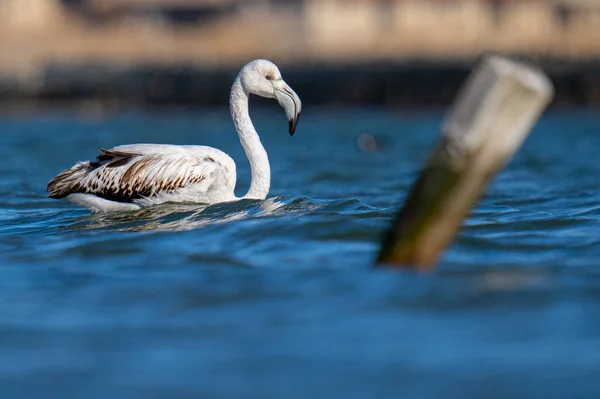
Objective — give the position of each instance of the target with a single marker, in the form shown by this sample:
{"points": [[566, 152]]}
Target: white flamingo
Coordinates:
{"points": [[130, 177]]}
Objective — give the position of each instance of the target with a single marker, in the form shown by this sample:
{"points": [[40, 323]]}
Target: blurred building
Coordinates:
{"points": [[36, 35], [227, 31]]}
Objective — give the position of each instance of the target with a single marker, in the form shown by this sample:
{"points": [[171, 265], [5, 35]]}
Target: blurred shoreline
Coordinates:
{"points": [[187, 52], [410, 84]]}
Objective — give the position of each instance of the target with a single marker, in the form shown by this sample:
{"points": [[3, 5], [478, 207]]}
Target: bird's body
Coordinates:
{"points": [[135, 176], [131, 177]]}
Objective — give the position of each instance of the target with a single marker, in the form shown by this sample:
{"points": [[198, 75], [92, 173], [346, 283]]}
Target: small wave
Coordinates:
{"points": [[179, 217]]}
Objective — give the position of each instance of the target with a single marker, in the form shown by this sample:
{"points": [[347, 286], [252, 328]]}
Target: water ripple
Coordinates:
{"points": [[243, 297]]}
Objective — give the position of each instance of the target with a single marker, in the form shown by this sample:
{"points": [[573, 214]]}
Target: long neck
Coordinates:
{"points": [[259, 161]]}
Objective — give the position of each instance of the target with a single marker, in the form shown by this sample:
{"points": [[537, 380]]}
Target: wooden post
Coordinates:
{"points": [[492, 115]]}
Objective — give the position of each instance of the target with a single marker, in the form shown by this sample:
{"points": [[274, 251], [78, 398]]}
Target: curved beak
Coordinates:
{"points": [[289, 101]]}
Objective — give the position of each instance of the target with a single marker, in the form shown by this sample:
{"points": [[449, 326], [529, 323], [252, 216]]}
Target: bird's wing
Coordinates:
{"points": [[126, 176]]}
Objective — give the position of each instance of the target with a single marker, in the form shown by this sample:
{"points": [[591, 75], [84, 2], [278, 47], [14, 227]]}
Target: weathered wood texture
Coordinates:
{"points": [[492, 115]]}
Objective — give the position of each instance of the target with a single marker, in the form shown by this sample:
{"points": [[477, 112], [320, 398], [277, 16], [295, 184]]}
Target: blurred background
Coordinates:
{"points": [[407, 52], [279, 298]]}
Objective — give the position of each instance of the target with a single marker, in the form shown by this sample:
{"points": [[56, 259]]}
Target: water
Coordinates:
{"points": [[279, 298]]}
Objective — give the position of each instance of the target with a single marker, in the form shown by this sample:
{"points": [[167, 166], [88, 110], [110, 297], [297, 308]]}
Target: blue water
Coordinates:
{"points": [[278, 298]]}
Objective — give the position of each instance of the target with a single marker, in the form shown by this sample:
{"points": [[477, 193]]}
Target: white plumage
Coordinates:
{"points": [[130, 177]]}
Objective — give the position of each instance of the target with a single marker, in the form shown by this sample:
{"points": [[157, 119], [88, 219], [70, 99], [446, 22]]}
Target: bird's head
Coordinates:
{"points": [[262, 77]]}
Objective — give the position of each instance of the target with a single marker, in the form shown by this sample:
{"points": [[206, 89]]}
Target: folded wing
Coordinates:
{"points": [[127, 176]]}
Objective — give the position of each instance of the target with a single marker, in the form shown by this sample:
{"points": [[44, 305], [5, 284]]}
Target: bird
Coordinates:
{"points": [[135, 176]]}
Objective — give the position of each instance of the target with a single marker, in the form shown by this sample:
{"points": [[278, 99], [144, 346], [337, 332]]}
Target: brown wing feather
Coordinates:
{"points": [[125, 177], [67, 182]]}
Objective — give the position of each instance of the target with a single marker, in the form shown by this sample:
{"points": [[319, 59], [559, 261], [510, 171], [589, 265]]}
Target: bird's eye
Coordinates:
{"points": [[268, 77]]}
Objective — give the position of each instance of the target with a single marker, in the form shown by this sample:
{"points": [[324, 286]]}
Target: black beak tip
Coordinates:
{"points": [[293, 124]]}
